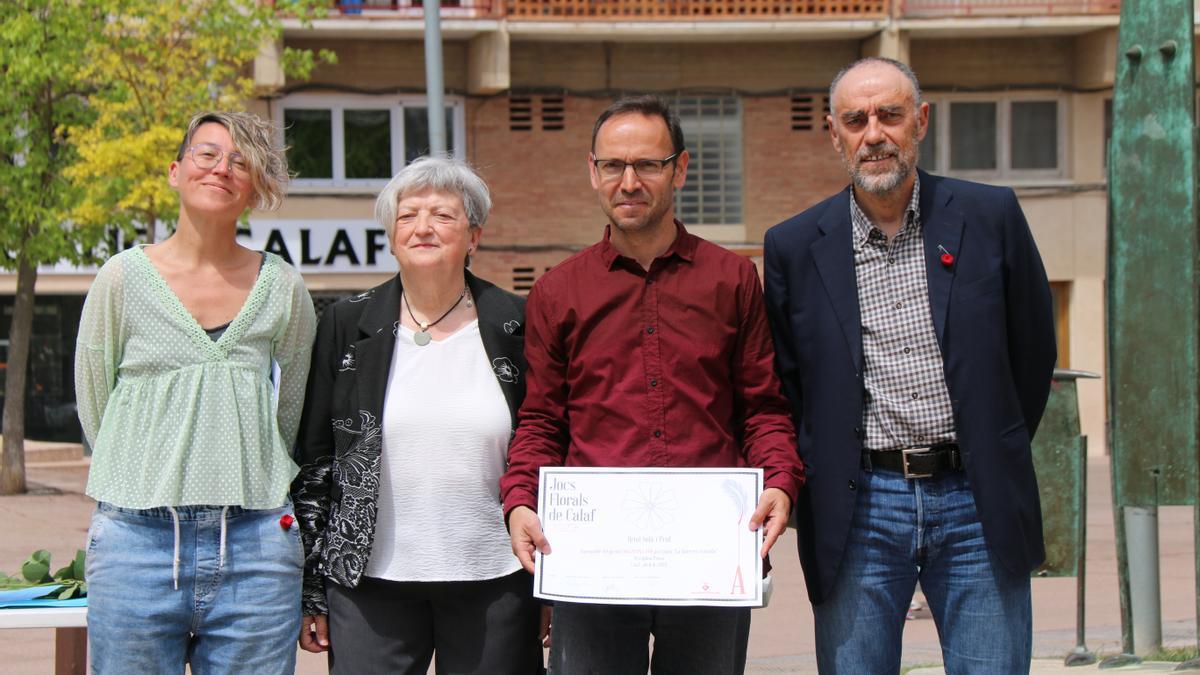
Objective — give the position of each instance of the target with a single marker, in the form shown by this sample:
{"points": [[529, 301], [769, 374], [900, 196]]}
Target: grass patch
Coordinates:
{"points": [[1174, 654]]}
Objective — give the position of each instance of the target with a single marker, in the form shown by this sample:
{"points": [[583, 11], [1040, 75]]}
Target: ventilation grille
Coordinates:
{"points": [[548, 113], [805, 116], [523, 278], [553, 113], [520, 113]]}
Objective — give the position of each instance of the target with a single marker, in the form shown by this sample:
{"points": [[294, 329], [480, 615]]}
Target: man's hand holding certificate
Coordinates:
{"points": [[650, 536]]}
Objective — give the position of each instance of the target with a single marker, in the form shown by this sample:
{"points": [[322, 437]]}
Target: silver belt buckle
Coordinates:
{"points": [[904, 453]]}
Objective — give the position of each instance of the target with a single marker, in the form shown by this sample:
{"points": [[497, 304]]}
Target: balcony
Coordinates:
{"points": [[693, 10], [931, 9], [413, 9]]}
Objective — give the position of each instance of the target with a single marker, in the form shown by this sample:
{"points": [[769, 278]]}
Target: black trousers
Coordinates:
{"points": [[486, 627]]}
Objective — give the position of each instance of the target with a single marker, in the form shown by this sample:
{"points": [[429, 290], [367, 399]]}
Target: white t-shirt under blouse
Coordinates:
{"points": [[446, 428]]}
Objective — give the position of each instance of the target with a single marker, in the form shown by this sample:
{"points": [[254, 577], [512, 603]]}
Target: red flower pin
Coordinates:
{"points": [[286, 520], [947, 257]]}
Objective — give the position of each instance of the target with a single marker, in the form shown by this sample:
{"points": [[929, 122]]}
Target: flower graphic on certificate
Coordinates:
{"points": [[650, 506]]}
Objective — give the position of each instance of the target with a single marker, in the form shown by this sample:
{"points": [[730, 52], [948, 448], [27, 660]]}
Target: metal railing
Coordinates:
{"points": [[635, 10], [986, 8], [466, 9]]}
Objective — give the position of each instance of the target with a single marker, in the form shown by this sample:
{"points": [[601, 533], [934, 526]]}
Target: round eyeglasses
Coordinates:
{"points": [[206, 156]]}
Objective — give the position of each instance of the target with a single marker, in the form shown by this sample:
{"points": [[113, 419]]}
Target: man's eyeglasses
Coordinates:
{"points": [[610, 169], [206, 156]]}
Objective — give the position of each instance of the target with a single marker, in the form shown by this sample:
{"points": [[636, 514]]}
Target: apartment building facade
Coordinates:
{"points": [[1020, 92]]}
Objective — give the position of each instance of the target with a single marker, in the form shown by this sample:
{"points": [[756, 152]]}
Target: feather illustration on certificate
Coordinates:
{"points": [[737, 495]]}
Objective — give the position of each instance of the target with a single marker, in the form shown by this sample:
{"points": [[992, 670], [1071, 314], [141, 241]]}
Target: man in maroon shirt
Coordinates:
{"points": [[648, 349]]}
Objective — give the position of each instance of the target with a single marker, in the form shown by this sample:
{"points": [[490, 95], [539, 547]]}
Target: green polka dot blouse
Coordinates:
{"points": [[175, 418]]}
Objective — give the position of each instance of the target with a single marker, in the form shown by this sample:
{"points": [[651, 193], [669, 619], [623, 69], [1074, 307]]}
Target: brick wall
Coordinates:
{"points": [[786, 170]]}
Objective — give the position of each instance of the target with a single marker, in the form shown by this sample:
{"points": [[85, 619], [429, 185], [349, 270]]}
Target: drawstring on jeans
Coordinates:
{"points": [[175, 557], [221, 555]]}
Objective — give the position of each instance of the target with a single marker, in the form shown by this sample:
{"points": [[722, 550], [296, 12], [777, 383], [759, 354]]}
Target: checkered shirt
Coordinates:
{"points": [[907, 403]]}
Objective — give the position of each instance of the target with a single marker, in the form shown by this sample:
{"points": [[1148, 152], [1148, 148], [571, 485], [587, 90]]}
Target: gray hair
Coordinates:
{"points": [[898, 65], [255, 138], [443, 174]]}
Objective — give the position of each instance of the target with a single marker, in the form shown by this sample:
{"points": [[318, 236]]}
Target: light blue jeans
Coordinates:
{"points": [[230, 604], [924, 529]]}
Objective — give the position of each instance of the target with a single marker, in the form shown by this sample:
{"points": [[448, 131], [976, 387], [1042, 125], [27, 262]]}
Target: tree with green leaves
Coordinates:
{"points": [[160, 63], [42, 93], [95, 95]]}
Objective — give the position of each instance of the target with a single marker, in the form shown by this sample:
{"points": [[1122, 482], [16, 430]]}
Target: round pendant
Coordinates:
{"points": [[421, 338]]}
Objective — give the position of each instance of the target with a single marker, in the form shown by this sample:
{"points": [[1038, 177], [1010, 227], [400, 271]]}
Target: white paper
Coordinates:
{"points": [[650, 536]]}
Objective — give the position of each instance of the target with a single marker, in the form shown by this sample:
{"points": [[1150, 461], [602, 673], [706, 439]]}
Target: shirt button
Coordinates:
{"points": [[650, 330], [920, 438], [899, 305], [915, 396], [852, 485], [657, 433], [653, 383], [907, 350], [891, 261]]}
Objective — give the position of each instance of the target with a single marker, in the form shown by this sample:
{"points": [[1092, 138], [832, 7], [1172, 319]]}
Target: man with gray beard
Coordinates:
{"points": [[914, 336]]}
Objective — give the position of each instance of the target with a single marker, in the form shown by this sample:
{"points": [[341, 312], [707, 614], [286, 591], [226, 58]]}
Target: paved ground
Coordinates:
{"points": [[55, 516]]}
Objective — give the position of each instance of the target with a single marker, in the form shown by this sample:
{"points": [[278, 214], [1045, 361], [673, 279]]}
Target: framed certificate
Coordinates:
{"points": [[650, 536]]}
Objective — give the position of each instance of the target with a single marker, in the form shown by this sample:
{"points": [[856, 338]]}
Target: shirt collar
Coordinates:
{"points": [[863, 225], [684, 246]]}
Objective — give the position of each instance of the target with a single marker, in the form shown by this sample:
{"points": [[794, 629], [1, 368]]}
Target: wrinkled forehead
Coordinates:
{"points": [[872, 85]]}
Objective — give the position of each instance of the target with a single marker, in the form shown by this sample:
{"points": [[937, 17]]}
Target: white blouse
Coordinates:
{"points": [[446, 428]]}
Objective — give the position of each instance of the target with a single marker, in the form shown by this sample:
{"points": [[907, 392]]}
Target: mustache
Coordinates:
{"points": [[881, 149]]}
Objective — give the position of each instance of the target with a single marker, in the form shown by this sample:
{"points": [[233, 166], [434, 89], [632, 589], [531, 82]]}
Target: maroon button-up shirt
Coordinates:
{"points": [[671, 367]]}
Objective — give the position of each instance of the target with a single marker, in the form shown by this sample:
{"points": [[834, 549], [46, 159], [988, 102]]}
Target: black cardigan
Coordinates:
{"points": [[338, 449]]}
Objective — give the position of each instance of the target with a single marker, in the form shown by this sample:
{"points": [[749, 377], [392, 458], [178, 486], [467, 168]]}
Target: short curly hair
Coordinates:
{"points": [[256, 139]]}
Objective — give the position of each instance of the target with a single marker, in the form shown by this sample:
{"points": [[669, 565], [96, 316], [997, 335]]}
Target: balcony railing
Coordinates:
{"points": [[986, 8], [656, 10], [459, 9]]}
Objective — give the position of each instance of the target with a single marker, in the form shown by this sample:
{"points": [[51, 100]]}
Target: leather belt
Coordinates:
{"points": [[923, 462]]}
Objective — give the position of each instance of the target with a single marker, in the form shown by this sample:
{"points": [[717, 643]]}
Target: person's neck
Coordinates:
{"points": [[429, 292], [887, 210], [647, 244], [202, 243]]}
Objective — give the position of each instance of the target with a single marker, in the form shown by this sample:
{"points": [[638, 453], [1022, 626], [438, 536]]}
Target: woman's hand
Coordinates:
{"points": [[314, 633]]}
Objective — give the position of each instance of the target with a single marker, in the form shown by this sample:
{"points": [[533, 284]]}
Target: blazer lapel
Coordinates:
{"points": [[377, 327], [942, 226], [501, 327], [833, 255]]}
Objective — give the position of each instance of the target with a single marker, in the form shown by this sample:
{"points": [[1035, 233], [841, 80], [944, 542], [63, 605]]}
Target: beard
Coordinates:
{"points": [[888, 181]]}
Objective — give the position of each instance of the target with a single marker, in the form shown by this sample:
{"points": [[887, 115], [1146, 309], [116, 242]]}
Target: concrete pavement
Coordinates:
{"points": [[55, 516]]}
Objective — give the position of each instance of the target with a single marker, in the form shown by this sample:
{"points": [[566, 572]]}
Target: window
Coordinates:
{"points": [[1015, 138], [712, 130], [358, 141]]}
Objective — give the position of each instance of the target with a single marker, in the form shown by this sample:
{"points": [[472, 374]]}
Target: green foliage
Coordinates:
{"points": [[153, 66], [35, 571], [41, 95]]}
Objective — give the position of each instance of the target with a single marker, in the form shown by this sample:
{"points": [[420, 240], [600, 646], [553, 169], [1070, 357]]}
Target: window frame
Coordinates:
{"points": [[1004, 172], [337, 104], [737, 123]]}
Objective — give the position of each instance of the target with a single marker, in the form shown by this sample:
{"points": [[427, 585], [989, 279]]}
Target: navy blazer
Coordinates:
{"points": [[994, 322]]}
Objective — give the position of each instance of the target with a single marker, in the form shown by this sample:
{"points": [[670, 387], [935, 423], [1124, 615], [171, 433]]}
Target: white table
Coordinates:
{"points": [[70, 633]]}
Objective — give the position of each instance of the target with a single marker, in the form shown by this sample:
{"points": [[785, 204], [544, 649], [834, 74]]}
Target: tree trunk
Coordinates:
{"points": [[12, 463]]}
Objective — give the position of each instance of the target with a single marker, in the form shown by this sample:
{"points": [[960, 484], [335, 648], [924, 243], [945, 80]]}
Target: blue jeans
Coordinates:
{"points": [[236, 610], [925, 530], [614, 640]]}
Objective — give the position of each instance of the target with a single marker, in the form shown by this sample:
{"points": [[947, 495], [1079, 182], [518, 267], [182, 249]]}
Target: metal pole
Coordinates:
{"points": [[433, 77], [1141, 536], [1081, 655]]}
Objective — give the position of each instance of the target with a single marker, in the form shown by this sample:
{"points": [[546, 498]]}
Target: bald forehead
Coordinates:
{"points": [[875, 82]]}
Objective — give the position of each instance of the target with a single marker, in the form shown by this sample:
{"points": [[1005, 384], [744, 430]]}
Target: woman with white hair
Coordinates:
{"points": [[412, 398], [192, 555]]}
